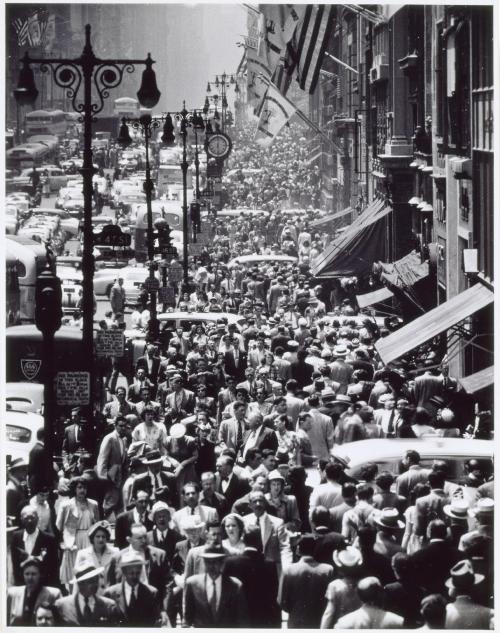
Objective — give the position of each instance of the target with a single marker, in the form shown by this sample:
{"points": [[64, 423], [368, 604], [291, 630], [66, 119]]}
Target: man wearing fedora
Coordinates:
{"points": [[162, 535], [303, 587], [85, 607], [340, 370], [463, 612], [390, 529], [112, 465], [482, 513], [213, 599], [155, 481], [138, 602]]}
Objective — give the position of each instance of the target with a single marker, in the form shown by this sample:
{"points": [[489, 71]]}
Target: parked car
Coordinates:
{"points": [[24, 396], [20, 433], [57, 177]]}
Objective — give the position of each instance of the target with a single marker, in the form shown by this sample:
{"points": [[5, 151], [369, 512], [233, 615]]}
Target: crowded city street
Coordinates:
{"points": [[249, 337]]}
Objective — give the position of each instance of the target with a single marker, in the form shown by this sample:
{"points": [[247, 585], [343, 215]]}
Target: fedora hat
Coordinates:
{"points": [[192, 522], [388, 518], [339, 351], [348, 558], [462, 576], [275, 475], [483, 507], [213, 552], [130, 559], [152, 457], [457, 509], [177, 430], [327, 394], [86, 572]]}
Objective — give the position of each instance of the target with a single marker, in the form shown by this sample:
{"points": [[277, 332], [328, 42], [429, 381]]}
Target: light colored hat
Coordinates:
{"points": [[349, 557], [152, 457], [192, 522], [130, 559], [275, 475], [86, 572], [302, 321], [136, 449], [100, 525], [483, 507], [339, 351], [457, 509], [447, 415], [158, 507], [177, 430], [328, 394], [388, 518], [213, 552], [292, 345], [326, 353]]}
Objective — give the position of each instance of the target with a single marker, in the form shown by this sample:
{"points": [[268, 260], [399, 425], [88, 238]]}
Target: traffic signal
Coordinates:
{"points": [[48, 302], [163, 245], [195, 212]]}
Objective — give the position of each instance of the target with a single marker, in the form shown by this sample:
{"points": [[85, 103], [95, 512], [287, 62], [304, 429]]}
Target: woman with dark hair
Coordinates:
{"points": [[74, 519], [99, 553], [23, 601], [422, 423], [411, 542]]}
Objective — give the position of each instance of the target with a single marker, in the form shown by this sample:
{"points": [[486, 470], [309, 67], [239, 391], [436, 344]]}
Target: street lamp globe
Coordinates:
{"points": [[123, 138], [168, 136], [148, 94], [26, 91]]}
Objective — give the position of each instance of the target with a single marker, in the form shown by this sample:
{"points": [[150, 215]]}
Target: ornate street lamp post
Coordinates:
{"points": [[221, 84], [97, 76]]}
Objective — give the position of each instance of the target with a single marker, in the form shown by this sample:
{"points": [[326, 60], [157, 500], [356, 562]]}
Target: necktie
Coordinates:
{"points": [[133, 600], [87, 613], [239, 435], [192, 510], [390, 426], [213, 599]]}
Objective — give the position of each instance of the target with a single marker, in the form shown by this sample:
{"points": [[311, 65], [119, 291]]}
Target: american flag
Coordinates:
{"points": [[21, 29]]}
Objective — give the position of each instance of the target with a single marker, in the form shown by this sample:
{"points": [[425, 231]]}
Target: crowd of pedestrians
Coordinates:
{"points": [[208, 493]]}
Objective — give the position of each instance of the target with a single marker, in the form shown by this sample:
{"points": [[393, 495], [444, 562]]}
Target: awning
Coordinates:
{"points": [[479, 380], [371, 298], [433, 323], [406, 271], [313, 158], [354, 252], [330, 217]]}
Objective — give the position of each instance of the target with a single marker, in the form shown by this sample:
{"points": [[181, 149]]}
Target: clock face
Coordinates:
{"points": [[218, 145]]}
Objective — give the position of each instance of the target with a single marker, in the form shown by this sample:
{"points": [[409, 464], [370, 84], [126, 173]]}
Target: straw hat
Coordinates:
{"points": [[348, 558], [130, 559], [86, 572], [213, 552], [457, 509], [152, 457], [388, 518]]}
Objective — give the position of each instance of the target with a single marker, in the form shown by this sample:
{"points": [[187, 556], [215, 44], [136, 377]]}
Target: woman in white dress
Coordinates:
{"points": [[411, 542], [234, 528], [74, 519], [99, 553]]}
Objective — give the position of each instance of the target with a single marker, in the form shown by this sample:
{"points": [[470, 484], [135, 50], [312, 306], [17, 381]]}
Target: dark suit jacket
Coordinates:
{"points": [[142, 363], [218, 502], [267, 439], [237, 488], [147, 609], [168, 545], [326, 544], [432, 565], [302, 373], [105, 611], [428, 508], [232, 609], [37, 467], [405, 601], [157, 569], [260, 586], [45, 542], [303, 589], [86, 439], [122, 527], [143, 482]]}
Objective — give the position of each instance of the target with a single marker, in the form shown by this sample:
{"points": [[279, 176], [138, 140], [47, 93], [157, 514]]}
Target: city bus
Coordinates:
{"points": [[29, 154], [45, 122], [31, 258], [172, 175], [12, 292]]}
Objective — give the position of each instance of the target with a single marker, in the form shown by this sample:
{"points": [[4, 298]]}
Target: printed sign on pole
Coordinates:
{"points": [[110, 343], [73, 387]]}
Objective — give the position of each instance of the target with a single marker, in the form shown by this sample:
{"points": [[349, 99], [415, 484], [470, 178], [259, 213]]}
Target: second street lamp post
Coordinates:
{"points": [[97, 76]]}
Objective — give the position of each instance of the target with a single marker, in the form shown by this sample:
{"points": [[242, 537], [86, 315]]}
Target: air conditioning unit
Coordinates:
{"points": [[461, 168], [380, 69]]}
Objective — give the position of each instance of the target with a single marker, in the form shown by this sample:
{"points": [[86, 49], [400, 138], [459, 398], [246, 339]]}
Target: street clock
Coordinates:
{"points": [[219, 145]]}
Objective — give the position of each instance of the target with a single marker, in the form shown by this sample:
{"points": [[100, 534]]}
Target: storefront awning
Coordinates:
{"points": [[330, 218], [433, 323], [354, 251], [406, 271], [313, 157], [479, 380], [371, 298]]}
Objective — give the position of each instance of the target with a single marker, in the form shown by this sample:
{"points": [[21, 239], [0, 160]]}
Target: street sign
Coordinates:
{"points": [[195, 249], [166, 294], [169, 251], [112, 235], [110, 343], [152, 284], [175, 272], [73, 387]]}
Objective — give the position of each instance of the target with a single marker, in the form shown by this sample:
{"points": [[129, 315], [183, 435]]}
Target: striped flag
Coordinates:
{"points": [[21, 29], [310, 42], [279, 24], [283, 74], [275, 111], [34, 30]]}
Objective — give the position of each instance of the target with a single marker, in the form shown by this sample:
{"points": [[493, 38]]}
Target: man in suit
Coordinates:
{"points": [[463, 612], [155, 480], [112, 465], [161, 535], [326, 541], [195, 563], [370, 615], [228, 483], [321, 432], [23, 602], [413, 476], [78, 435], [275, 541], [180, 403], [259, 579], [37, 465], [139, 382], [192, 507], [156, 570], [138, 514], [119, 405], [431, 506], [138, 602], [31, 541], [303, 587], [213, 599], [249, 383], [258, 435], [85, 607], [294, 405], [150, 362], [232, 430], [210, 497], [433, 562], [387, 417]]}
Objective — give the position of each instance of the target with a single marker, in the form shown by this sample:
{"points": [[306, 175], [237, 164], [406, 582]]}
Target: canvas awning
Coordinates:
{"points": [[354, 252], [330, 217], [433, 323], [479, 380], [371, 298], [406, 271]]}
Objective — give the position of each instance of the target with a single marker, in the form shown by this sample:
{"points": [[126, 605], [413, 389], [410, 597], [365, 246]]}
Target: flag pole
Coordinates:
{"points": [[336, 59]]}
